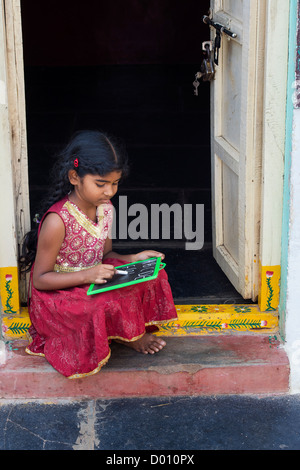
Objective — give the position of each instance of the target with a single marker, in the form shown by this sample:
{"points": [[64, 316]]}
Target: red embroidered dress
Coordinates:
{"points": [[73, 330]]}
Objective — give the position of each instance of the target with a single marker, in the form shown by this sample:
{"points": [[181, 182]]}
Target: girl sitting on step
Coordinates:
{"points": [[71, 250]]}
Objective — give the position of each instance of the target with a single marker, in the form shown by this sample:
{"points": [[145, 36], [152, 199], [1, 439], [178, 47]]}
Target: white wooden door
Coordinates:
{"points": [[236, 142]]}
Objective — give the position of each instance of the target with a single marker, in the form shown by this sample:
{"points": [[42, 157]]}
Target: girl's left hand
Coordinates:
{"points": [[148, 254]]}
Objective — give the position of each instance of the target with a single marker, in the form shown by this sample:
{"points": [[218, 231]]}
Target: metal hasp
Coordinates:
{"points": [[218, 27], [207, 71], [219, 30]]}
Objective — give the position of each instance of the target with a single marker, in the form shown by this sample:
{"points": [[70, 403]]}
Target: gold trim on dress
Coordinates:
{"points": [[34, 354], [126, 339], [84, 221], [158, 322], [93, 372], [72, 269], [105, 360]]}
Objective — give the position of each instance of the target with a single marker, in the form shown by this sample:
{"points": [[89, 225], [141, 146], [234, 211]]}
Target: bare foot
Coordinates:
{"points": [[147, 344]]}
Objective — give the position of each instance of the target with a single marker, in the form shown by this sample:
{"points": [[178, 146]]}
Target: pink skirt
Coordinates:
{"points": [[73, 331]]}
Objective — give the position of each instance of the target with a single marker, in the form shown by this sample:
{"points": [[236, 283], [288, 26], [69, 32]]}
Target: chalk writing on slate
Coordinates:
{"points": [[140, 271]]}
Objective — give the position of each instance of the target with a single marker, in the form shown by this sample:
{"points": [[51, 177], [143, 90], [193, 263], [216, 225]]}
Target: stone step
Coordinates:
{"points": [[241, 363]]}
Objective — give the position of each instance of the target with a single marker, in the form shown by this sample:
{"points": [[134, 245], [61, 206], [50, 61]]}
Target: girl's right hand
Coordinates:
{"points": [[100, 274]]}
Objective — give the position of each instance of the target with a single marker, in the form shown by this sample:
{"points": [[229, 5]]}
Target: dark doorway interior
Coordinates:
{"points": [[127, 67]]}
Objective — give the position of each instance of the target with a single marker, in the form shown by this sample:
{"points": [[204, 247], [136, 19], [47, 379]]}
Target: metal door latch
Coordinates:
{"points": [[207, 70], [220, 29]]}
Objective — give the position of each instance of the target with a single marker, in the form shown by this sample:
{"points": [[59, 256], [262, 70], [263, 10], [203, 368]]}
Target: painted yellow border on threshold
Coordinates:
{"points": [[197, 320], [193, 320]]}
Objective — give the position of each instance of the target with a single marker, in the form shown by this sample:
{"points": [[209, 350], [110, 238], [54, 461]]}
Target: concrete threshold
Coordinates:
{"points": [[187, 366]]}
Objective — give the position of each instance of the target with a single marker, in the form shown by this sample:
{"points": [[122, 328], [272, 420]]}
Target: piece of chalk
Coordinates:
{"points": [[121, 272]]}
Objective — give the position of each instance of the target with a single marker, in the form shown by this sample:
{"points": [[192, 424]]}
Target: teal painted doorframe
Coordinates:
{"points": [[287, 168]]}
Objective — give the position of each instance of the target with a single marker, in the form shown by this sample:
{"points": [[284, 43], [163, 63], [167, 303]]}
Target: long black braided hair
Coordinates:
{"points": [[88, 152]]}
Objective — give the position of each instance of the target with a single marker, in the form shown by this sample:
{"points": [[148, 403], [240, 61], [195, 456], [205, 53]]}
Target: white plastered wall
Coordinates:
{"points": [[292, 306]]}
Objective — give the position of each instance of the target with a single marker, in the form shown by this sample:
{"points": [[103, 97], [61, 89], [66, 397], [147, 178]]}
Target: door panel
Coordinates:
{"points": [[236, 158], [230, 211], [234, 7], [231, 89]]}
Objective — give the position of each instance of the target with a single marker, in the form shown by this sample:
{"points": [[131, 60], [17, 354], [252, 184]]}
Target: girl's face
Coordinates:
{"points": [[94, 190]]}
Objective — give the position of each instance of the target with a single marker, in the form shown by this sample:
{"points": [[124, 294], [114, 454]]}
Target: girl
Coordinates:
{"points": [[71, 329]]}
